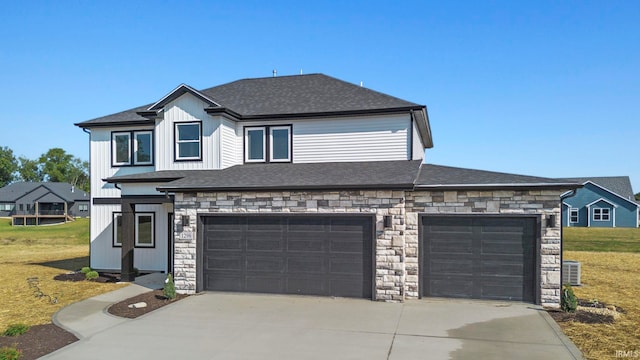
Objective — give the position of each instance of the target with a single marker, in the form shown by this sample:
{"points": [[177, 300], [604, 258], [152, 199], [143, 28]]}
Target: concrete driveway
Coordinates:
{"points": [[243, 326]]}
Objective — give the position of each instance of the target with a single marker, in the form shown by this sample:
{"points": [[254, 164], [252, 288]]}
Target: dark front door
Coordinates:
{"points": [[310, 255], [479, 257]]}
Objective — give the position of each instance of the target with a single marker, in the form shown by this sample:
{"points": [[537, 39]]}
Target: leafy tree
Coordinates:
{"points": [[29, 170], [58, 166], [638, 196], [8, 166]]}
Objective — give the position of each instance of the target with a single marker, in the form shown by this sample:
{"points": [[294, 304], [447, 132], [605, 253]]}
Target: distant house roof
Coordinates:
{"points": [[620, 185], [279, 97], [14, 191], [339, 175]]}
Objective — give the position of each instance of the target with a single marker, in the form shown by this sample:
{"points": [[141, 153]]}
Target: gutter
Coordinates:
{"points": [[498, 186]]}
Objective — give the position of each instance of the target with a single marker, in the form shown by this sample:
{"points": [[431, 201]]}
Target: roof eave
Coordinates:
{"points": [[549, 186], [287, 187], [179, 91], [114, 123]]}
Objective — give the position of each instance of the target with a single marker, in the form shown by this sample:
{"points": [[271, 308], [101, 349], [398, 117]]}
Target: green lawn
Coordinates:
{"points": [[601, 239], [71, 233]]}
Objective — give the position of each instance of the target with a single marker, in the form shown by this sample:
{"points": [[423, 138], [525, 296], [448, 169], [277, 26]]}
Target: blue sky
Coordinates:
{"points": [[546, 88]]}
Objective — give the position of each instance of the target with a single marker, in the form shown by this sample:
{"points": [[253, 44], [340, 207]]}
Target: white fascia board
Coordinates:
{"points": [[186, 88], [495, 185], [602, 199]]}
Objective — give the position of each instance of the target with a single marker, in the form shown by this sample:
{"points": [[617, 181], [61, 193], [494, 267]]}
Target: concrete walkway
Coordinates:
{"points": [[88, 317], [249, 326]]}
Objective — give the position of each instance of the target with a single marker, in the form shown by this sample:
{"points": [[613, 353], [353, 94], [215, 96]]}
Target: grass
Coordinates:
{"points": [[610, 261], [42, 252], [601, 239]]}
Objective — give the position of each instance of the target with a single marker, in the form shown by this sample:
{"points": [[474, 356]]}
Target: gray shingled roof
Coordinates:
{"points": [[620, 185], [438, 176], [340, 175], [336, 175], [299, 94], [12, 192]]}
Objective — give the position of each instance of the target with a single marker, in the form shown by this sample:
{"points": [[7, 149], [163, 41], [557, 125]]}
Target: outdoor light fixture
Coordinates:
{"points": [[185, 220], [387, 221], [551, 220]]}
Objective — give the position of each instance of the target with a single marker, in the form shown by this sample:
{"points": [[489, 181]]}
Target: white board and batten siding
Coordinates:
{"points": [[101, 167], [231, 143], [418, 146], [187, 108], [104, 256]]}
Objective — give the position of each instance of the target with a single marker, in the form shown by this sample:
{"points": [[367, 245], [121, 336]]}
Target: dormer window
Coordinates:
{"points": [[267, 144], [132, 148], [188, 141]]}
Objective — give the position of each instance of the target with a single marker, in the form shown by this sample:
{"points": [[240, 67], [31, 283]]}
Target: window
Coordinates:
{"points": [[278, 143], [279, 140], [132, 148], [143, 143], [144, 229], [600, 214], [254, 144], [121, 151], [6, 207], [573, 215], [83, 207], [188, 141]]}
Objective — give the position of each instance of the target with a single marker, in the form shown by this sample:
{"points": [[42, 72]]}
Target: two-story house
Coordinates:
{"points": [[311, 185]]}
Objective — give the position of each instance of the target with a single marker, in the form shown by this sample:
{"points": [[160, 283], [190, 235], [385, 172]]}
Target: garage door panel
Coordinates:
{"points": [[223, 262], [263, 242], [452, 267], [314, 255], [264, 264], [448, 287], [306, 265], [457, 246], [497, 261], [305, 242]]}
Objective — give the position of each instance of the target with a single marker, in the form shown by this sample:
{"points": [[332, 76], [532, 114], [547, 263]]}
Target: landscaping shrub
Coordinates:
{"points": [[85, 269], [15, 330], [169, 289], [10, 353], [91, 275], [568, 300]]}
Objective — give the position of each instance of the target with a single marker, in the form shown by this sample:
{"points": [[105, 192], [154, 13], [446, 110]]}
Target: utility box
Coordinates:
{"points": [[571, 272]]}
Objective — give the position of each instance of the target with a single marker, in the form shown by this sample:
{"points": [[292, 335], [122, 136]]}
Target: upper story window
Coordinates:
{"points": [[132, 148], [600, 214], [188, 141], [573, 215], [267, 144]]}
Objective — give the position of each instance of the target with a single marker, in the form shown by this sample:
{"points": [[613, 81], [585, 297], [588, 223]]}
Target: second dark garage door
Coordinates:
{"points": [[310, 255], [478, 257]]}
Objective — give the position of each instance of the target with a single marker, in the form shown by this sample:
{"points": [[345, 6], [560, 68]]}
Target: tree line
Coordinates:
{"points": [[55, 165]]}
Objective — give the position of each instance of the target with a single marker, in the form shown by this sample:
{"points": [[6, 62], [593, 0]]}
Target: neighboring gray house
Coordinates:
{"points": [[39, 203], [311, 185], [601, 202]]}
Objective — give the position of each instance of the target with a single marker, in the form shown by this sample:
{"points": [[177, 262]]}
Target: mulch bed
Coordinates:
{"points": [[39, 340], [154, 299], [587, 317], [78, 276]]}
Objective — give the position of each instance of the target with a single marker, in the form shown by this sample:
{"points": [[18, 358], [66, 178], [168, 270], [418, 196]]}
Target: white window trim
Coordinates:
{"points": [[601, 213], [271, 128], [135, 146], [178, 141], [114, 148], [246, 144], [577, 216]]}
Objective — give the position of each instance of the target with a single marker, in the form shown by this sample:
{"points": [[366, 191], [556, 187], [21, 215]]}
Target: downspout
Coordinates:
{"points": [[571, 194]]}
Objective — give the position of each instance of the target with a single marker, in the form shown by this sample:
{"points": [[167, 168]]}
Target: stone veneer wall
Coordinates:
{"points": [[389, 248], [543, 202]]}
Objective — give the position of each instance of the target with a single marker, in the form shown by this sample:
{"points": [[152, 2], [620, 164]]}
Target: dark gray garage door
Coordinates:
{"points": [[311, 255], [478, 257]]}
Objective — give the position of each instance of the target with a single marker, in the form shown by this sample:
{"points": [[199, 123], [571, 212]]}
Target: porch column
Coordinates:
{"points": [[128, 236]]}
